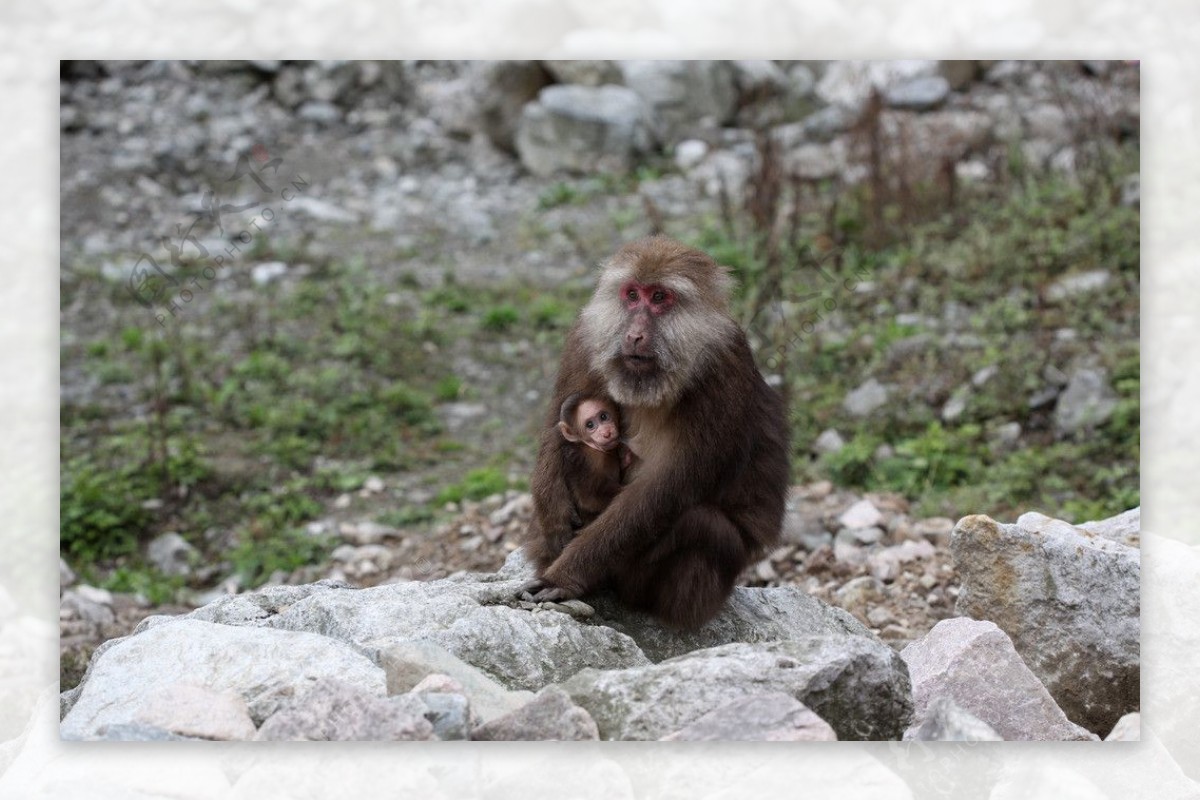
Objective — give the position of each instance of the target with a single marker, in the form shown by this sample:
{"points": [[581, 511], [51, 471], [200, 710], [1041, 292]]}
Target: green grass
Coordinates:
{"points": [[475, 486]]}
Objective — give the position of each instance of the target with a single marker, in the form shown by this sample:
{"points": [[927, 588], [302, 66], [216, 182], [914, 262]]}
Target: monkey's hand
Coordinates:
{"points": [[539, 590]]}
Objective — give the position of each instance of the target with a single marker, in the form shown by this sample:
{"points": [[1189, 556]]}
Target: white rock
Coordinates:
{"points": [[264, 666], [689, 153], [862, 514], [194, 710]]}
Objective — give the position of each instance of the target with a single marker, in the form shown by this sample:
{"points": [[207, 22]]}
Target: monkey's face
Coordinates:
{"points": [[658, 312], [596, 424]]}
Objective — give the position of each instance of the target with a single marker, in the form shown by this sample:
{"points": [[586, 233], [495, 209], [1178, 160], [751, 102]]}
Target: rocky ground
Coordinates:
{"points": [[1018, 657]]}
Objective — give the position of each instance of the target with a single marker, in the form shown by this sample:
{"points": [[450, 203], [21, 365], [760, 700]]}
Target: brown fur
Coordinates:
{"points": [[709, 435]]}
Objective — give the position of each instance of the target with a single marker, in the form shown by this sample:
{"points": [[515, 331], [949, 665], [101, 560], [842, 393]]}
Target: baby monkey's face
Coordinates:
{"points": [[596, 425]]}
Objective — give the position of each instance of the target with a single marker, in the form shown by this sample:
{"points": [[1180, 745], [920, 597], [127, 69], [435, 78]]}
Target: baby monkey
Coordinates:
{"points": [[594, 457]]}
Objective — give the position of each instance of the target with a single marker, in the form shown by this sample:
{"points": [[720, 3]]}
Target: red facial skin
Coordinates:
{"points": [[645, 303]]}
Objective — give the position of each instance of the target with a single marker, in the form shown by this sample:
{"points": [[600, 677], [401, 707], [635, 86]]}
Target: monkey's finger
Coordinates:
{"points": [[553, 594], [527, 589]]}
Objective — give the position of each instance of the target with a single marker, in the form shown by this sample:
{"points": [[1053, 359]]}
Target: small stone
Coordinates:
{"points": [[1131, 191], [957, 404], [66, 576], [918, 94], [866, 536], [172, 554], [866, 398], [265, 273], [984, 375], [862, 514], [367, 532], [858, 593], [319, 111], [885, 564], [578, 608], [830, 441], [879, 617], [689, 153], [816, 491], [373, 484], [449, 713], [935, 529], [946, 721], [766, 571], [1076, 284], [1087, 402]]}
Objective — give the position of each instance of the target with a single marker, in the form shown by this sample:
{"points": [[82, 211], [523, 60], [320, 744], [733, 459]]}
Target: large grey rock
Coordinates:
{"points": [[946, 721], [1070, 601], [683, 96], [583, 129], [410, 663], [551, 715], [264, 667], [973, 663], [751, 615], [769, 717], [334, 710], [1087, 402], [1125, 528], [856, 684], [470, 617]]}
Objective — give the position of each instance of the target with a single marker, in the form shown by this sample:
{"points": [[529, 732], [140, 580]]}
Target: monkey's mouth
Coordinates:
{"points": [[635, 363]]}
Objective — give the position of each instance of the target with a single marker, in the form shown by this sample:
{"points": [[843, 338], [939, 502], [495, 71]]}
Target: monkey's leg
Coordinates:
{"points": [[686, 576]]}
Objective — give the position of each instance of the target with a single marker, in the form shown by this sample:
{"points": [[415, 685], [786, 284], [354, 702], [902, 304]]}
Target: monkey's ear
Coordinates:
{"points": [[567, 433]]}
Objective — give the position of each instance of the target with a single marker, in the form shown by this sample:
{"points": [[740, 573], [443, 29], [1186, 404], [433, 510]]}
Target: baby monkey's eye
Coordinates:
{"points": [[590, 424], [603, 417]]}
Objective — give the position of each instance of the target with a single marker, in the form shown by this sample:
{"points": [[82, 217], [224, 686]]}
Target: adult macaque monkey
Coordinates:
{"points": [[707, 495]]}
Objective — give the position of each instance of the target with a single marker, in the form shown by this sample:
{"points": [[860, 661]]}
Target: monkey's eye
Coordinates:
{"points": [[631, 295], [590, 424], [658, 297], [603, 417]]}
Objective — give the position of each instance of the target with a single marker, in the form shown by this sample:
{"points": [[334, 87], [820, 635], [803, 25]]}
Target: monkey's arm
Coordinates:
{"points": [[554, 514]]}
